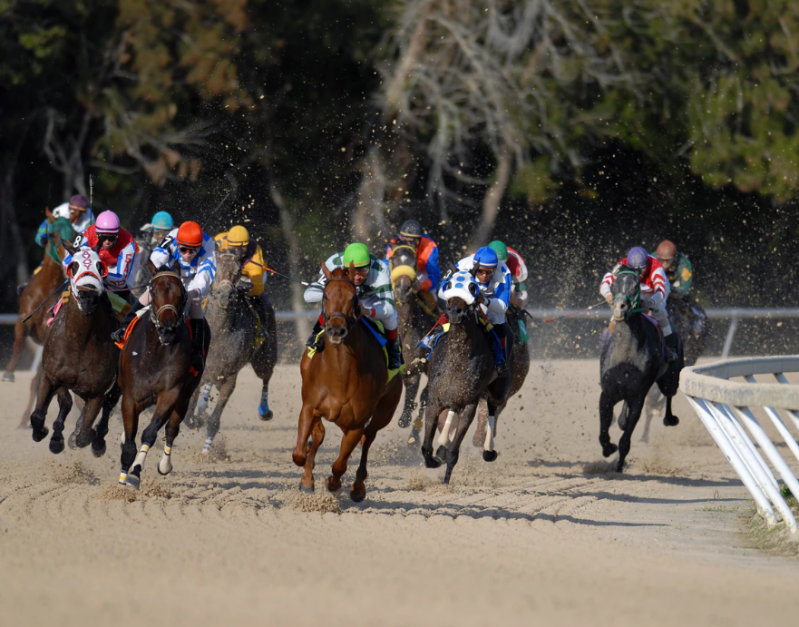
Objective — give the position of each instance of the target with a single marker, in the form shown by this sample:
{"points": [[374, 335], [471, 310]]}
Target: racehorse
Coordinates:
{"points": [[35, 298], [414, 321], [632, 358], [347, 384], [79, 356], [461, 371], [519, 360], [161, 363], [691, 323], [234, 344]]}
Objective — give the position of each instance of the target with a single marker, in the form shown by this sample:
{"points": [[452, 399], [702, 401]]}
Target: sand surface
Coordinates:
{"points": [[545, 535]]}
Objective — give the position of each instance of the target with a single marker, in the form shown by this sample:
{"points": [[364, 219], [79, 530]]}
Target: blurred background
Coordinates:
{"points": [[571, 130]]}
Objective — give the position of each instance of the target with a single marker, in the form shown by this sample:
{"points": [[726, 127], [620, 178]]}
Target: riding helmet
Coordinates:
{"points": [[411, 228], [666, 250], [190, 234], [162, 220], [486, 257], [637, 258], [78, 202], [107, 222], [499, 247], [357, 255], [238, 236]]}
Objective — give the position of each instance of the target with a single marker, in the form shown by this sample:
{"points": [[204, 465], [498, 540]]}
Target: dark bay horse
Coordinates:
{"points": [[80, 356], [461, 371], [234, 344], [160, 364], [519, 364], [414, 322], [347, 384], [631, 361]]}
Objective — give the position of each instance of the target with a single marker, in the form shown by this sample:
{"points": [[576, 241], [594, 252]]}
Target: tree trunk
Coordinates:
{"points": [[493, 199]]}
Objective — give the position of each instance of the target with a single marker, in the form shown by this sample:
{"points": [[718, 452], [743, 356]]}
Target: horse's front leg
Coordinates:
{"points": [[635, 406], [411, 384], [453, 450], [490, 432], [317, 437], [212, 426], [109, 402], [130, 424], [339, 467], [605, 420], [669, 419], [164, 408], [430, 423], [304, 425], [44, 394], [64, 405]]}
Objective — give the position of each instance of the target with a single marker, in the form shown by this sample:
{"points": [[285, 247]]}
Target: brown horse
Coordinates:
{"points": [[414, 321], [80, 356], [234, 345], [347, 384], [161, 364]]}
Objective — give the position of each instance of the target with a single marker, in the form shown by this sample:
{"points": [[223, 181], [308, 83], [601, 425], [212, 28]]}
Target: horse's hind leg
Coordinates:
{"points": [[339, 467], [605, 420], [19, 341], [101, 430], [64, 405], [37, 377], [430, 423], [669, 419], [84, 434], [635, 406], [411, 384], [212, 427], [478, 439], [130, 424], [489, 452], [418, 422]]}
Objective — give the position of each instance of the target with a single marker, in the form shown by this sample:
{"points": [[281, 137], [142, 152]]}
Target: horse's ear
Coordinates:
{"points": [[72, 268], [325, 271]]}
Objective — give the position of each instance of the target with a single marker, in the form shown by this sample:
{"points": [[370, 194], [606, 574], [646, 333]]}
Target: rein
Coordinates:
{"points": [[340, 314]]}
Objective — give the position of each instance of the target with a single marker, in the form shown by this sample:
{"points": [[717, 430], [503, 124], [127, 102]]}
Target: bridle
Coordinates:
{"points": [[634, 300], [349, 320], [164, 329]]}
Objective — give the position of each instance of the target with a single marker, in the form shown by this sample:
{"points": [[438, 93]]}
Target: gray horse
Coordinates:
{"points": [[234, 344], [631, 361]]}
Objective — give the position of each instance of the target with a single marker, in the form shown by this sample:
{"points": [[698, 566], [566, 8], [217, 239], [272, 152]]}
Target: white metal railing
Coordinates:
{"points": [[726, 409]]}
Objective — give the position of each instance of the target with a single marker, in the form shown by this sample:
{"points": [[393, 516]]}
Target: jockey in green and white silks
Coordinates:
{"points": [[372, 277]]}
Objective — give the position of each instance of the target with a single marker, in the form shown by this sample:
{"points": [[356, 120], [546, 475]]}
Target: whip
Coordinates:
{"points": [[574, 313]]}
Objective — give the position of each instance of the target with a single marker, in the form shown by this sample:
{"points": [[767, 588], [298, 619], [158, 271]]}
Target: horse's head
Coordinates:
{"points": [[626, 292], [228, 272], [340, 302], [168, 299], [403, 271], [460, 291], [86, 273]]}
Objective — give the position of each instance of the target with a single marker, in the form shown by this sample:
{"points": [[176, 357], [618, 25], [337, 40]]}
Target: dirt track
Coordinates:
{"points": [[546, 533]]}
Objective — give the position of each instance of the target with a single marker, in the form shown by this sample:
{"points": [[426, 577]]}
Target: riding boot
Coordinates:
{"points": [[394, 353], [260, 321], [430, 340], [495, 341], [672, 350], [119, 334], [316, 340]]}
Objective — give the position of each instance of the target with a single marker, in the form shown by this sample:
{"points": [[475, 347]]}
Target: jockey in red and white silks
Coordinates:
{"points": [[654, 284]]}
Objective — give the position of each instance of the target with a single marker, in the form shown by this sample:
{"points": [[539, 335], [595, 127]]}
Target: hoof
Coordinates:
{"points": [[83, 439], [308, 489], [432, 462], [56, 446], [39, 434], [98, 448], [671, 421], [441, 452], [609, 449], [489, 456], [358, 495], [404, 421], [8, 376], [620, 466], [333, 484], [133, 481], [413, 438], [264, 413]]}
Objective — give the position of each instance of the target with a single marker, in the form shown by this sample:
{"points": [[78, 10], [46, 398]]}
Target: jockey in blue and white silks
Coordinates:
{"points": [[494, 279]]}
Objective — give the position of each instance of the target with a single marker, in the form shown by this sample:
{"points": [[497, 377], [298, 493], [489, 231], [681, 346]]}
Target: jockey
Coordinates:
{"points": [[191, 253], [117, 250], [518, 271], [156, 229], [251, 257], [373, 281], [496, 285], [427, 266], [77, 211], [654, 291], [678, 268]]}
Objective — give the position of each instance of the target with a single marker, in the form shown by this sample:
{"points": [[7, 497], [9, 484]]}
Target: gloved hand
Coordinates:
{"points": [[244, 284], [194, 296], [609, 298], [369, 311]]}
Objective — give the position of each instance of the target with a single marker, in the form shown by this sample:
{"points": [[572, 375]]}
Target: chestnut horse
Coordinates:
{"points": [[347, 383], [160, 364], [80, 356]]}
